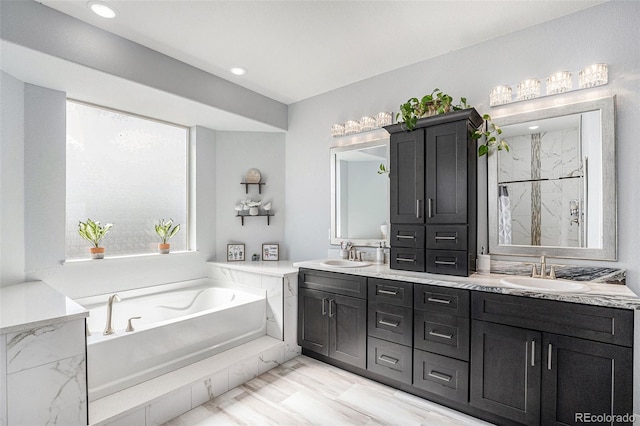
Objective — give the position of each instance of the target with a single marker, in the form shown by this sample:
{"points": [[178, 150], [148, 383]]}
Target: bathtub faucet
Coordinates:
{"points": [[108, 329]]}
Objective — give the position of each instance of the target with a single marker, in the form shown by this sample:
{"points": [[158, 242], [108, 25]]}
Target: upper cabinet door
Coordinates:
{"points": [[407, 177], [446, 169]]}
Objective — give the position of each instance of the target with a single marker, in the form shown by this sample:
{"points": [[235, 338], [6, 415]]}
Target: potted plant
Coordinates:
{"points": [[439, 102], [94, 232], [165, 232]]}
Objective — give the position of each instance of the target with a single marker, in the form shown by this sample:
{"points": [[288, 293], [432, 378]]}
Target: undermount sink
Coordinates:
{"points": [[340, 263], [529, 283]]}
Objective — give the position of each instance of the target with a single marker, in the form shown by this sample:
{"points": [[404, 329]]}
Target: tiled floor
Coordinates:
{"points": [[304, 391]]}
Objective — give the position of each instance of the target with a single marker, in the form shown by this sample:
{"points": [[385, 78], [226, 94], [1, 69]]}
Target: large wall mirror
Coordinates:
{"points": [[554, 193], [359, 194]]}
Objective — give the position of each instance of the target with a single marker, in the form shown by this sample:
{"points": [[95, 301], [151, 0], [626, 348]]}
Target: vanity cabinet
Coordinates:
{"points": [[542, 362], [433, 194], [332, 315]]}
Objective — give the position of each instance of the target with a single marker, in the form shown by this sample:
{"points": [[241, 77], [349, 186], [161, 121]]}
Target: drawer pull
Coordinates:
{"points": [[388, 359], [403, 259], [550, 350], [390, 324], [437, 300], [389, 292], [430, 207], [445, 262], [444, 336], [440, 376], [324, 310], [406, 237], [446, 238]]}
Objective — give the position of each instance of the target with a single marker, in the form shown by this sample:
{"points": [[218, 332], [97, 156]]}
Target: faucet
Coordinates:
{"points": [[353, 253], [543, 269], [108, 329]]}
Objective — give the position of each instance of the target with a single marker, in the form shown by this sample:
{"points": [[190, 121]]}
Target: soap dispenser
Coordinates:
{"points": [[380, 254]]}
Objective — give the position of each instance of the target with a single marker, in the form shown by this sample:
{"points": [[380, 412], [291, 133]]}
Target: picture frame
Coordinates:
{"points": [[270, 252], [235, 252]]}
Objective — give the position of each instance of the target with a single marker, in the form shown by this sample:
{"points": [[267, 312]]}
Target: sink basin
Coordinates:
{"points": [[340, 263], [544, 284]]}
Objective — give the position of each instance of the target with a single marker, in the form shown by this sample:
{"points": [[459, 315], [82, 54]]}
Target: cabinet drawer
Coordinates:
{"points": [[443, 376], [442, 334], [390, 360], [333, 282], [393, 292], [409, 236], [443, 300], [447, 237], [602, 324], [390, 322], [407, 259], [449, 262]]}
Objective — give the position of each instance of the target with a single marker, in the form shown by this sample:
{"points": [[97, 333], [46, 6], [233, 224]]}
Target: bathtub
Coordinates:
{"points": [[181, 323]]}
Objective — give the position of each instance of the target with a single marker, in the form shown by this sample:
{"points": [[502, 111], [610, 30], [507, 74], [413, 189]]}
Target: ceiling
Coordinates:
{"points": [[294, 50]]}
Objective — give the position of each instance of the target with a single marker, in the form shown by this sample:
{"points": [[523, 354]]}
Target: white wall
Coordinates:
{"points": [[605, 33], [11, 180], [236, 153]]}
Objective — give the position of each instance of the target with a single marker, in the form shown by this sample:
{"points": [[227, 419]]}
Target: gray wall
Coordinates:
{"points": [[607, 33], [236, 153]]}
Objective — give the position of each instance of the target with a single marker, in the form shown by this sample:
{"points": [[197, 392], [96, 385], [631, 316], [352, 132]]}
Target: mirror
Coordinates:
{"points": [[359, 194], [554, 193]]}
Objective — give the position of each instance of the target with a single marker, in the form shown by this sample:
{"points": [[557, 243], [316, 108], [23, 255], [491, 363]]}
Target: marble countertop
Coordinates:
{"points": [[277, 269], [35, 304], [599, 294]]}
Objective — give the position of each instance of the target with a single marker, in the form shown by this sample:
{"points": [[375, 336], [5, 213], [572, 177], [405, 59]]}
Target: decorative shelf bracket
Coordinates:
{"points": [[246, 186], [267, 215]]}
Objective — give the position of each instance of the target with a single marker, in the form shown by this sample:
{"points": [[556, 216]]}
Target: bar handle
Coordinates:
{"points": [[388, 359], [444, 336], [406, 237], [418, 209], [446, 238], [390, 324], [324, 310], [430, 207], [389, 292], [445, 262], [440, 376], [550, 350], [533, 353], [331, 313], [402, 259], [437, 300]]}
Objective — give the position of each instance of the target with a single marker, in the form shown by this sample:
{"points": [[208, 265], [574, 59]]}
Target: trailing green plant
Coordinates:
{"points": [[93, 231], [383, 170], [439, 102], [491, 133], [165, 231]]}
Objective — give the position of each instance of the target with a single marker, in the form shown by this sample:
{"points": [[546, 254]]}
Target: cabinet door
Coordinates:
{"points": [[505, 371], [313, 320], [581, 376], [446, 173], [348, 330], [407, 177]]}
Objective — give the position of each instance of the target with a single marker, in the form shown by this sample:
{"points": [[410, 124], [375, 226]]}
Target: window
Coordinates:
{"points": [[126, 170]]}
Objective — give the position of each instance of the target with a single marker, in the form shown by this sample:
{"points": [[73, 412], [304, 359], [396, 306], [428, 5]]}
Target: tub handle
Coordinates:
{"points": [[129, 325]]}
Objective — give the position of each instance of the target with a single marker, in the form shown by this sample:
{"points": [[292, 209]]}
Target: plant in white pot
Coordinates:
{"points": [[252, 206], [165, 231], [94, 232]]}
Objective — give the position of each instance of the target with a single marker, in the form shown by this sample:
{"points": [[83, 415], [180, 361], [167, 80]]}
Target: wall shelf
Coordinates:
{"points": [[267, 215], [246, 186]]}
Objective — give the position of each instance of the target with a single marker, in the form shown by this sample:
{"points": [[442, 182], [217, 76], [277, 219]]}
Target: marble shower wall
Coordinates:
{"points": [[558, 157]]}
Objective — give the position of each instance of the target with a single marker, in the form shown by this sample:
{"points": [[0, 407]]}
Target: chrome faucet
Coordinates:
{"points": [[108, 329], [543, 269]]}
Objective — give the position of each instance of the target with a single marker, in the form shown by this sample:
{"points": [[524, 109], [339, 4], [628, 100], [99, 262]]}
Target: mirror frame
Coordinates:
{"points": [[364, 140], [609, 201]]}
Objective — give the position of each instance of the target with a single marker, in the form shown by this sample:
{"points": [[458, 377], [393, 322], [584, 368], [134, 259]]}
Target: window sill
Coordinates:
{"points": [[130, 257]]}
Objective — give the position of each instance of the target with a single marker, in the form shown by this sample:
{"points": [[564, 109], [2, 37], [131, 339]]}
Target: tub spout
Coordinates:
{"points": [[108, 329]]}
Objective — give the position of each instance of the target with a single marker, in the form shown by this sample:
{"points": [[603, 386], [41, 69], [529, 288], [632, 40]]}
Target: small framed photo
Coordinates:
{"points": [[235, 252], [270, 252]]}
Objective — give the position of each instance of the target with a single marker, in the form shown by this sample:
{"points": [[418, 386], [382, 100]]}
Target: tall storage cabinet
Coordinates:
{"points": [[434, 194]]}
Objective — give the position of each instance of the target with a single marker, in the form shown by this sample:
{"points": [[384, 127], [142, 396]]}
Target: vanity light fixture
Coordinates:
{"points": [[384, 119], [366, 123], [528, 89], [337, 130], [594, 75], [102, 9], [351, 127], [560, 82], [238, 71]]}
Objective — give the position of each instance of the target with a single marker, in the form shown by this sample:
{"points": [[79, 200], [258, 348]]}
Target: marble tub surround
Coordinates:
{"points": [[595, 274], [280, 280], [599, 294]]}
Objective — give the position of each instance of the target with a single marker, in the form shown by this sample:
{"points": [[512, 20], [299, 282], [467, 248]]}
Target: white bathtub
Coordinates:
{"points": [[181, 323]]}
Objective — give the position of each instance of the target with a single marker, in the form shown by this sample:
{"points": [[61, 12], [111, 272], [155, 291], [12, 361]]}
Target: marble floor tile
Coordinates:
{"points": [[304, 391]]}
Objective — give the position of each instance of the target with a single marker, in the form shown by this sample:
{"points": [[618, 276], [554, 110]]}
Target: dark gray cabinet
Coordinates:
{"points": [[330, 323], [533, 363], [433, 193]]}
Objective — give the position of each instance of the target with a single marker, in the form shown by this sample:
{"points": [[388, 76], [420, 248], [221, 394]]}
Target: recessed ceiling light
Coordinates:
{"points": [[102, 9], [238, 71]]}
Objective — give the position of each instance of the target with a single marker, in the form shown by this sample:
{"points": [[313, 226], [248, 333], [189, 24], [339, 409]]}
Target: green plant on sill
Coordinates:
{"points": [[164, 230], [93, 231], [439, 102]]}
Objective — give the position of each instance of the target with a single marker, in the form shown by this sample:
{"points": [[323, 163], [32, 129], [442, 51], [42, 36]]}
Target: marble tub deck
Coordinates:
{"points": [[304, 391]]}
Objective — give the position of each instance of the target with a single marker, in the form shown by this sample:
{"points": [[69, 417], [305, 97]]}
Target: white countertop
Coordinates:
{"points": [[276, 269], [599, 294], [35, 304]]}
